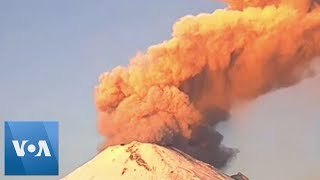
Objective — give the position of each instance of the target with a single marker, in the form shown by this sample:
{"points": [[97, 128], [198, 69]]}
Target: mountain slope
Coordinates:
{"points": [[144, 161]]}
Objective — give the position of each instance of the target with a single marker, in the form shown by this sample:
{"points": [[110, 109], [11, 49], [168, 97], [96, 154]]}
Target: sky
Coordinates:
{"points": [[52, 53]]}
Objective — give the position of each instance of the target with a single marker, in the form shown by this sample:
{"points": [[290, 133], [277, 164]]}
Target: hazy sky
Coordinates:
{"points": [[51, 55]]}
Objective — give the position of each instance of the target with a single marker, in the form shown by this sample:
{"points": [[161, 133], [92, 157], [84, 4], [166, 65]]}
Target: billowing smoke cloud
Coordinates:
{"points": [[177, 92], [301, 5]]}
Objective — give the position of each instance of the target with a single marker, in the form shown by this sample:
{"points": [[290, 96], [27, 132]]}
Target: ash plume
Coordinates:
{"points": [[177, 92]]}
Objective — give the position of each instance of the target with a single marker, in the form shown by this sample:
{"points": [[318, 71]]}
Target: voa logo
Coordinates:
{"points": [[42, 144], [31, 148]]}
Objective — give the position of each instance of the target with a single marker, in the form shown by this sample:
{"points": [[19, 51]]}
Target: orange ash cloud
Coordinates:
{"points": [[176, 92], [301, 5]]}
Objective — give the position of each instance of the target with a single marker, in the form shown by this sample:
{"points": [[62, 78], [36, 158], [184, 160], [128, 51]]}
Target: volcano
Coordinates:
{"points": [[145, 161]]}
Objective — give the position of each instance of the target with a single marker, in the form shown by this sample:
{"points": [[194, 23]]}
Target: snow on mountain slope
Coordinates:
{"points": [[145, 161]]}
